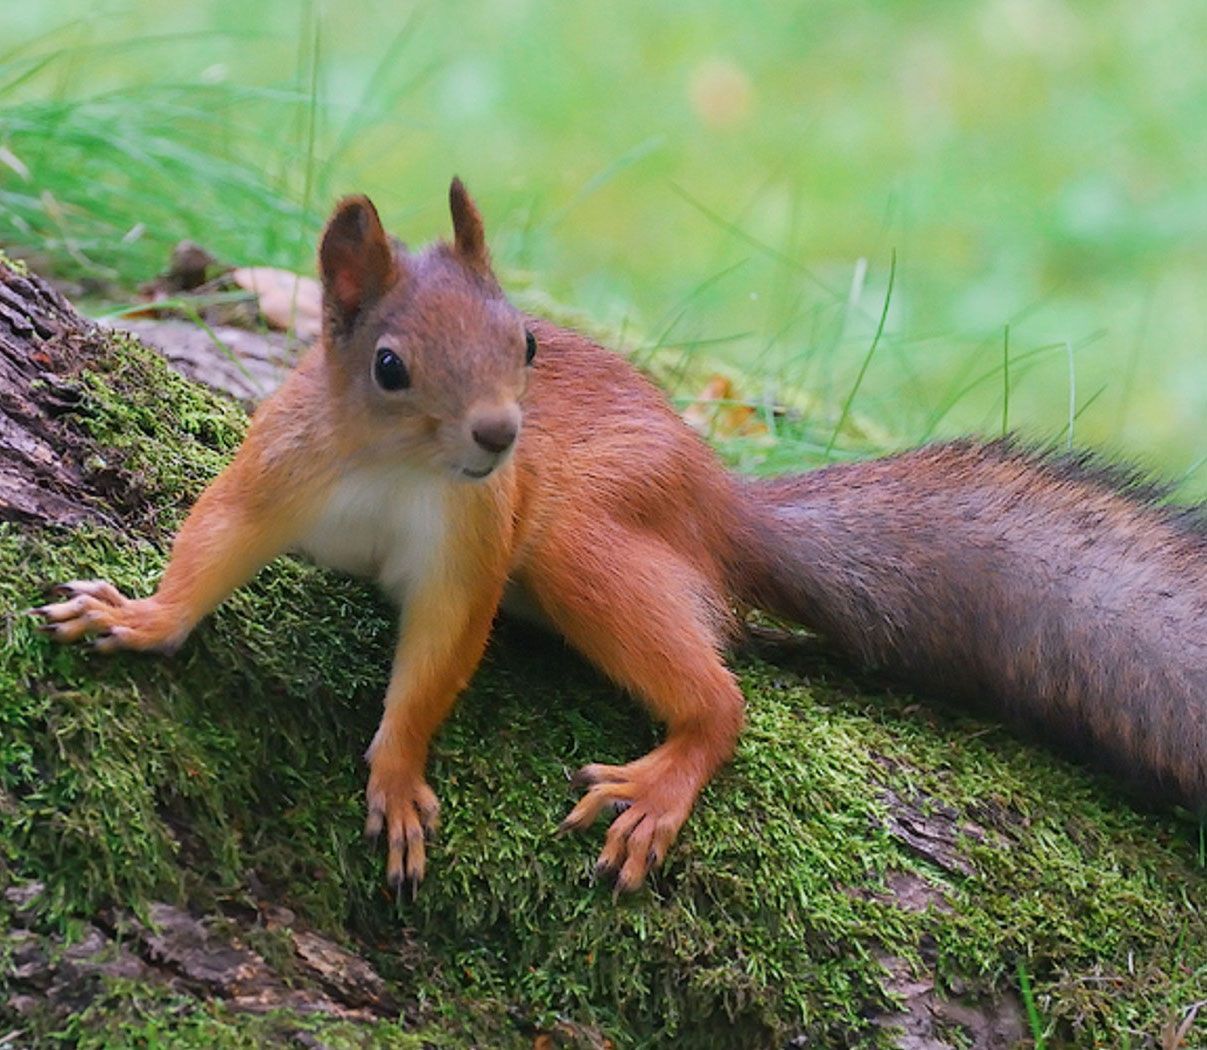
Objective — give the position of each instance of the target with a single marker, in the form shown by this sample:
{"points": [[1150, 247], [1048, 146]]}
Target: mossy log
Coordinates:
{"points": [[867, 871]]}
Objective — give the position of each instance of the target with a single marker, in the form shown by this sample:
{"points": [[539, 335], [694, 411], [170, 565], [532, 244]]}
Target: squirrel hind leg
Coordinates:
{"points": [[655, 624]]}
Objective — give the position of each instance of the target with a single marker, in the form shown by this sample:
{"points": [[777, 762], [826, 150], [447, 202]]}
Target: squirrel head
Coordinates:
{"points": [[427, 358]]}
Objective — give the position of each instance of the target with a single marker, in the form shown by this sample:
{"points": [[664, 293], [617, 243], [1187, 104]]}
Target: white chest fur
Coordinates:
{"points": [[384, 523]]}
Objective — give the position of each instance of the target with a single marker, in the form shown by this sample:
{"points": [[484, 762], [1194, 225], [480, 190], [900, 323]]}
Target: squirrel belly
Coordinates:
{"points": [[388, 523]]}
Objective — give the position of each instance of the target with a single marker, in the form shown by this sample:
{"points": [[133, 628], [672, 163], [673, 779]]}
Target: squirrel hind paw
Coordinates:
{"points": [[649, 815]]}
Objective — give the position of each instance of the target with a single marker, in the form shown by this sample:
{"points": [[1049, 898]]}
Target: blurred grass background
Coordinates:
{"points": [[732, 181]]}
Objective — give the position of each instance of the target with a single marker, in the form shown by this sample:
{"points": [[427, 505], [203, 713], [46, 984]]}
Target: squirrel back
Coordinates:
{"points": [[1066, 595]]}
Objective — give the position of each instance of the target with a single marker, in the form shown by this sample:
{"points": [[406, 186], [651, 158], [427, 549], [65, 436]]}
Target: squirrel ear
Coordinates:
{"points": [[469, 237], [356, 260]]}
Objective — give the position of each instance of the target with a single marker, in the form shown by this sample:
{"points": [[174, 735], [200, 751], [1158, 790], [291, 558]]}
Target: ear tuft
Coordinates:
{"points": [[469, 236], [356, 260]]}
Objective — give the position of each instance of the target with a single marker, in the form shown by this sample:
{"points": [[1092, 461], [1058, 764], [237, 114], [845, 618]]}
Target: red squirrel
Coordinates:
{"points": [[462, 454]]}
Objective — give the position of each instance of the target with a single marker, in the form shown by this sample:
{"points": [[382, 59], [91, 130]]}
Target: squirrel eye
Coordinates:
{"points": [[389, 371], [530, 353]]}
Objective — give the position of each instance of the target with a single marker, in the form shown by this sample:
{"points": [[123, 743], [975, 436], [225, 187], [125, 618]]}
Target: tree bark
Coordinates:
{"points": [[43, 343]]}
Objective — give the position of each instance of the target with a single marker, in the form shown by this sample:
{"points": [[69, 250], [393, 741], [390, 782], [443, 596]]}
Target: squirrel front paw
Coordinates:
{"points": [[401, 802], [96, 610]]}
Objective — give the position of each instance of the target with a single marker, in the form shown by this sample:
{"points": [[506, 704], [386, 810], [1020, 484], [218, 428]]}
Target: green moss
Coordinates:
{"points": [[130, 1014], [159, 437], [129, 779], [18, 266]]}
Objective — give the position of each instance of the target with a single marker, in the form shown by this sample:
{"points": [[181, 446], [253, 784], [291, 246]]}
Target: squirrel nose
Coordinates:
{"points": [[495, 434]]}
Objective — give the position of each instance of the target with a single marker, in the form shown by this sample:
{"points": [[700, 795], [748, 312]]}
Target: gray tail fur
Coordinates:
{"points": [[1068, 596]]}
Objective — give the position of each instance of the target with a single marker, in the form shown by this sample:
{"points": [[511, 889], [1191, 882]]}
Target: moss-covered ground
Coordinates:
{"points": [[236, 764]]}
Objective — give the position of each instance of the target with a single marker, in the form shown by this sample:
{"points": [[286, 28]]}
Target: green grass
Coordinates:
{"points": [[1034, 1020], [1030, 164]]}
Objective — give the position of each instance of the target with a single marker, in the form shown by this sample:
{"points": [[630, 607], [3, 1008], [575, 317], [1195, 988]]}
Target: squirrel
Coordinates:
{"points": [[463, 455]]}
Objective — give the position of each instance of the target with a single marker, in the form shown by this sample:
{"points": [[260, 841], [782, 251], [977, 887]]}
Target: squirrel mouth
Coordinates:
{"points": [[478, 475]]}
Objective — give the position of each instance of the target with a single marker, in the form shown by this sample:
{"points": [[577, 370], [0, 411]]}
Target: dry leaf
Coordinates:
{"points": [[287, 300], [718, 411]]}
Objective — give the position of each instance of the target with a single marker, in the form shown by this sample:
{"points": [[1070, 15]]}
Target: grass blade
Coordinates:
{"points": [[867, 358]]}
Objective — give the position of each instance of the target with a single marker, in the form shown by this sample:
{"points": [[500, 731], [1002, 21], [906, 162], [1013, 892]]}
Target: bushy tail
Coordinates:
{"points": [[1065, 594]]}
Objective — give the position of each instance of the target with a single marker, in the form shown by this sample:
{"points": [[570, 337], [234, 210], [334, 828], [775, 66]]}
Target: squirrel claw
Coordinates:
{"points": [[604, 868], [623, 886], [582, 778], [404, 884]]}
